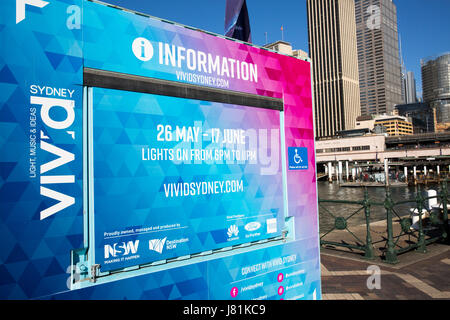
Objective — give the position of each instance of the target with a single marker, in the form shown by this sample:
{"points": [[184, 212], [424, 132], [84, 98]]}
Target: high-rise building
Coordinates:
{"points": [[403, 77], [332, 48], [380, 77], [402, 73], [410, 88], [436, 88]]}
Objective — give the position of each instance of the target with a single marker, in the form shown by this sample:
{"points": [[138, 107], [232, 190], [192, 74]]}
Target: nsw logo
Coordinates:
{"points": [[121, 249], [142, 49], [157, 245], [252, 226]]}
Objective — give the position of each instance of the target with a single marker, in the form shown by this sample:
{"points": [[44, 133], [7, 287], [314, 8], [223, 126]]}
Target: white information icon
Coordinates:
{"points": [[142, 49]]}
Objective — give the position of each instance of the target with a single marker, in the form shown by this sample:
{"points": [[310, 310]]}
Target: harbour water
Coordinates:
{"points": [[333, 191]]}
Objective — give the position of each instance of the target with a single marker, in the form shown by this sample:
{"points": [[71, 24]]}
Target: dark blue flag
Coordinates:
{"points": [[237, 24]]}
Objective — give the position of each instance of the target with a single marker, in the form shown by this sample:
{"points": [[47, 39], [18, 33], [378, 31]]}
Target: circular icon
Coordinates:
{"points": [[234, 292], [280, 277], [280, 290], [142, 49]]}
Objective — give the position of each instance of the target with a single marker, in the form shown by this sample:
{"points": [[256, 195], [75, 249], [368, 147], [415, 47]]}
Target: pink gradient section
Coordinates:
{"points": [[289, 79]]}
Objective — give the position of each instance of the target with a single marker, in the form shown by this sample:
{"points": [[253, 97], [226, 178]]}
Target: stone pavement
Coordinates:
{"points": [[418, 276]]}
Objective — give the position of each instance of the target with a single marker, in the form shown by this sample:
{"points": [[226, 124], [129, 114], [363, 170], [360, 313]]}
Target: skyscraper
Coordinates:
{"points": [[436, 88], [378, 56], [332, 47], [237, 23], [411, 96]]}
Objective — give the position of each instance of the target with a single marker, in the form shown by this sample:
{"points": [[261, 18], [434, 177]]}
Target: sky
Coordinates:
{"points": [[424, 25]]}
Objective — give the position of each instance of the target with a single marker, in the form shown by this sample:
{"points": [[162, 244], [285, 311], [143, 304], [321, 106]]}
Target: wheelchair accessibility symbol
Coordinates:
{"points": [[298, 158]]}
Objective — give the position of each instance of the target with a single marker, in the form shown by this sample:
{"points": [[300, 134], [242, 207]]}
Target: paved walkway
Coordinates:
{"points": [[418, 276]]}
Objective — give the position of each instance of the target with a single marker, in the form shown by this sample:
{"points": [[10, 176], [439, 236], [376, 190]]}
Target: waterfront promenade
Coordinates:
{"points": [[417, 276]]}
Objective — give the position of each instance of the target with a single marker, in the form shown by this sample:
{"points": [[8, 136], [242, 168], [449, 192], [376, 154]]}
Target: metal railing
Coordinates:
{"points": [[425, 224]]}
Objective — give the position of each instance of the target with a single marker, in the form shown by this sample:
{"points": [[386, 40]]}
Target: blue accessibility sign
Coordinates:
{"points": [[298, 158]]}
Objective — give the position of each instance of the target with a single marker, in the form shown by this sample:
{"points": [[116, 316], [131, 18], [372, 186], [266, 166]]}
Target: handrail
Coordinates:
{"points": [[418, 237]]}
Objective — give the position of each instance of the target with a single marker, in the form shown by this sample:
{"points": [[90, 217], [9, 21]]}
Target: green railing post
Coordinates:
{"points": [[421, 245], [391, 255], [369, 247], [445, 211]]}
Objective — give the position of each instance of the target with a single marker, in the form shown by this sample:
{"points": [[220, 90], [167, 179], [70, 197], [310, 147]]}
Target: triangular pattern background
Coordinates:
{"points": [[36, 254]]}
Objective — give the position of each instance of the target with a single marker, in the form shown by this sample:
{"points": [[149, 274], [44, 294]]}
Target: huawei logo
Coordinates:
{"points": [[232, 231]]}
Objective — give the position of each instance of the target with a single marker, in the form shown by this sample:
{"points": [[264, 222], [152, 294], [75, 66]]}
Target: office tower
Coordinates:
{"points": [[410, 87], [237, 23], [402, 73], [378, 56], [403, 78], [332, 47], [436, 88]]}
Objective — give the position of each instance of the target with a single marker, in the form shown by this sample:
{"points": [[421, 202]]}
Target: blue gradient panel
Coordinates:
{"points": [[41, 217], [283, 272], [163, 189], [289, 271]]}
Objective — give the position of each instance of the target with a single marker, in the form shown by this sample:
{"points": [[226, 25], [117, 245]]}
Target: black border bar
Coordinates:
{"points": [[127, 82]]}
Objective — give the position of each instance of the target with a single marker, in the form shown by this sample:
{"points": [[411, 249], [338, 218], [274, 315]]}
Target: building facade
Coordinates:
{"points": [[300, 54], [379, 147], [395, 125], [422, 115], [436, 88], [332, 47], [380, 72], [280, 47], [284, 47]]}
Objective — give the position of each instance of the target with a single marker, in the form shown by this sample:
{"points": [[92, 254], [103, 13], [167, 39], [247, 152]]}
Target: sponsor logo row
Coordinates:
{"points": [[122, 249], [252, 228]]}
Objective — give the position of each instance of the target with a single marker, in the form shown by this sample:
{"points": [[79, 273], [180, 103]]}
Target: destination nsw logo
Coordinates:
{"points": [[195, 60], [157, 245]]}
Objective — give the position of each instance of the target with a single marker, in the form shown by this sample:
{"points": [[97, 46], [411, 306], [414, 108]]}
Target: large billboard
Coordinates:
{"points": [[175, 176], [126, 189]]}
